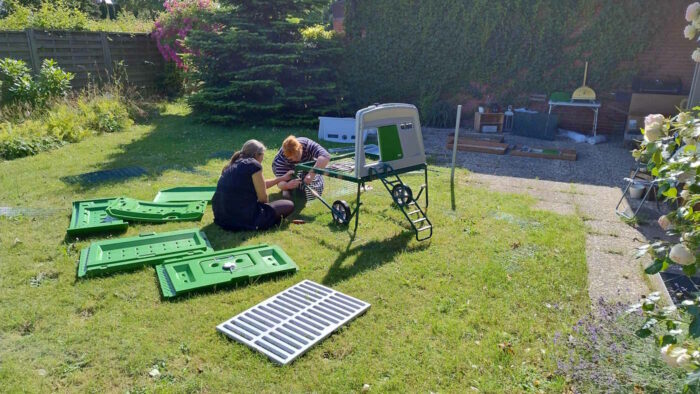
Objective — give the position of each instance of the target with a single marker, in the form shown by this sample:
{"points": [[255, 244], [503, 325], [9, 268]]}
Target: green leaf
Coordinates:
{"points": [[694, 328], [671, 192], [690, 270], [643, 332], [656, 158], [655, 267], [655, 171], [668, 339]]}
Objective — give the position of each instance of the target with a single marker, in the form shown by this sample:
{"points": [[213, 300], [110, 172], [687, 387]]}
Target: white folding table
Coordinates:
{"points": [[594, 105]]}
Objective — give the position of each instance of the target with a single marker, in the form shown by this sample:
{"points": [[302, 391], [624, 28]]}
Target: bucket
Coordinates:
{"points": [[636, 190]]}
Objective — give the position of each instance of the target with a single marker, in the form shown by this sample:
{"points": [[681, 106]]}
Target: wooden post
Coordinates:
{"points": [[31, 42], [106, 53], [454, 144]]}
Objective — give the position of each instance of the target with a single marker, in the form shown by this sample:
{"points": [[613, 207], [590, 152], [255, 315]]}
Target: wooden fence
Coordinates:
{"points": [[90, 56]]}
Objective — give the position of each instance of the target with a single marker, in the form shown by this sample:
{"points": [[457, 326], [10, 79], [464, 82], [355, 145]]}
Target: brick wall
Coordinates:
{"points": [[667, 56]]}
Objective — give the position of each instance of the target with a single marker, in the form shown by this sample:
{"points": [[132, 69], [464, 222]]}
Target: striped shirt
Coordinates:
{"points": [[310, 151]]}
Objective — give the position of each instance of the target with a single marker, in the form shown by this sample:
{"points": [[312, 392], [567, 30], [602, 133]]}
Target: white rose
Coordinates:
{"points": [[665, 223], [689, 32], [673, 354], [653, 118], [696, 23], [692, 12], [680, 254], [683, 117], [653, 132], [696, 55]]}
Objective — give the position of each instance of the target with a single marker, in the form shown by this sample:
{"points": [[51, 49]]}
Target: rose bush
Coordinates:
{"points": [[176, 22]]}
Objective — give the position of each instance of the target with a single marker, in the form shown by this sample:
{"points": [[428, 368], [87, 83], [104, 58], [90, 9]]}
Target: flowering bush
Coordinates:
{"points": [[172, 27], [692, 15]]}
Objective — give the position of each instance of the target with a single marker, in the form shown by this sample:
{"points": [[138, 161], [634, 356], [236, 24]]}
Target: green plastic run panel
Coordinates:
{"points": [[226, 267], [90, 216], [186, 193], [389, 143], [124, 254], [154, 212]]}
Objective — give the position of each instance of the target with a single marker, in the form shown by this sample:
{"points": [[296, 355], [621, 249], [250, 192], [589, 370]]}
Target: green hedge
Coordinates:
{"points": [[422, 51]]}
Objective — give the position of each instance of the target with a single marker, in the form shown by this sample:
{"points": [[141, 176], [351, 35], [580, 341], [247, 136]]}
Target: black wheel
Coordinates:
{"points": [[341, 212], [402, 195]]}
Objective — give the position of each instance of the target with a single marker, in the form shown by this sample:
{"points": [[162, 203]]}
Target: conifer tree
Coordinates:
{"points": [[259, 68]]}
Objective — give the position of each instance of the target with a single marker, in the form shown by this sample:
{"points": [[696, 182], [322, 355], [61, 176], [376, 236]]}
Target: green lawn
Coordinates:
{"points": [[477, 306]]}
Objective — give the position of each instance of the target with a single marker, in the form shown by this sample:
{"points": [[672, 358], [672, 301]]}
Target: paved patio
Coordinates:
{"points": [[589, 188]]}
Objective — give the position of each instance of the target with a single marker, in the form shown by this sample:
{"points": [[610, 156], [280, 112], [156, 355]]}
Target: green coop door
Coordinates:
{"points": [[389, 143]]}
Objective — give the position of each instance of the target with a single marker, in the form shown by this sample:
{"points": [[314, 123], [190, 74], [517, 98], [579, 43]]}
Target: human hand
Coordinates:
{"points": [[309, 178], [294, 183], [287, 176]]}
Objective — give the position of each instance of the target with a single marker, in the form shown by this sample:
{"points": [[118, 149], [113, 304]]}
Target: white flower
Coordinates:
{"points": [[685, 194], [696, 55], [695, 354], [689, 32], [653, 127], [683, 117], [665, 223], [675, 356], [680, 254], [653, 133], [696, 23], [692, 12]]}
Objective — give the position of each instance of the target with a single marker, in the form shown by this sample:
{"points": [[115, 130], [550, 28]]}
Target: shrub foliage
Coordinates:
{"points": [[264, 65], [422, 51]]}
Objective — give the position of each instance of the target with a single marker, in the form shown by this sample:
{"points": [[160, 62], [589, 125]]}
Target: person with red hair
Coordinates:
{"points": [[297, 150]]}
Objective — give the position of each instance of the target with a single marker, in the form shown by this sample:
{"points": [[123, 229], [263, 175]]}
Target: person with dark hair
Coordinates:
{"points": [[241, 201]]}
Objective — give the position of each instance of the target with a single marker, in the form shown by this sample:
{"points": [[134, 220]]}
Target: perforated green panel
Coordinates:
{"points": [[124, 254], [186, 193], [146, 211], [226, 267], [90, 216]]}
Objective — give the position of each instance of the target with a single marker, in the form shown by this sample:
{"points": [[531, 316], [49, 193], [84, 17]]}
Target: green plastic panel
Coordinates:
{"points": [[123, 254], [226, 267], [90, 216], [186, 193], [155, 212], [389, 143]]}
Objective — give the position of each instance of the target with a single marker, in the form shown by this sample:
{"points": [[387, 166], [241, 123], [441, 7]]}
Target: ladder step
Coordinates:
{"points": [[411, 203], [425, 228], [413, 212], [418, 220]]}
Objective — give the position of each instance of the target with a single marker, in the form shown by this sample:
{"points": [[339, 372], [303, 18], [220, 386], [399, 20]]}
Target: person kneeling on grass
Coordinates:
{"points": [[300, 150], [240, 201]]}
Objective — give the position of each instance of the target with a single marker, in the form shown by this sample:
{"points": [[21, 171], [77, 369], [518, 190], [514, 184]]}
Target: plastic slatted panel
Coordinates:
{"points": [[90, 216], [147, 211], [288, 324], [124, 254], [186, 193]]}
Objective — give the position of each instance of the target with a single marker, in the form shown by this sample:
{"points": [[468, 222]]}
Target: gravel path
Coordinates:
{"points": [[589, 187]]}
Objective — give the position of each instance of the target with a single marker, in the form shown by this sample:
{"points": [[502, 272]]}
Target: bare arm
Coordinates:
{"points": [[260, 189], [280, 180], [321, 162]]}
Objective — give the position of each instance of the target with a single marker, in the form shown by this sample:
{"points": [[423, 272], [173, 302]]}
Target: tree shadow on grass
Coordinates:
{"points": [[369, 255], [179, 142]]}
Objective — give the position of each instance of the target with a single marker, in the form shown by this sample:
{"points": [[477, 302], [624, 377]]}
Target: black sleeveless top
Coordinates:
{"points": [[235, 203]]}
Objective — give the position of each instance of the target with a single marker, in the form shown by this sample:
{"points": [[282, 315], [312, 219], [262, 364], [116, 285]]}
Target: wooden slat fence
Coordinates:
{"points": [[91, 56]]}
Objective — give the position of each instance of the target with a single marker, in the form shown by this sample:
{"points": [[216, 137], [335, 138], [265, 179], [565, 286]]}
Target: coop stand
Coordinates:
{"points": [[400, 192]]}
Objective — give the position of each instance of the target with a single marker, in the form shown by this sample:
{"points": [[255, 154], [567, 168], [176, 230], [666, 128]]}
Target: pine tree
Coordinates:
{"points": [[260, 69]]}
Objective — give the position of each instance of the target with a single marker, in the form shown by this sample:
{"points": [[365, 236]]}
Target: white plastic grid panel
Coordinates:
{"points": [[289, 323]]}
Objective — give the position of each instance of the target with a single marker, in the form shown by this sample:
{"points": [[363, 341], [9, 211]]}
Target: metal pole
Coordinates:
{"points": [[454, 144]]}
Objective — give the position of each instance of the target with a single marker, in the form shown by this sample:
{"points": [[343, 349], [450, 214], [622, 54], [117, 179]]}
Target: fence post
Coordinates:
{"points": [[31, 42], [106, 53]]}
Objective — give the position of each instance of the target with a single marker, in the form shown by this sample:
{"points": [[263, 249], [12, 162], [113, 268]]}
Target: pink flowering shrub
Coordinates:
{"points": [[172, 26]]}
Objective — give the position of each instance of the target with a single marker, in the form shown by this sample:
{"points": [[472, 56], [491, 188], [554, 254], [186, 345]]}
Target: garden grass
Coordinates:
{"points": [[475, 308]]}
